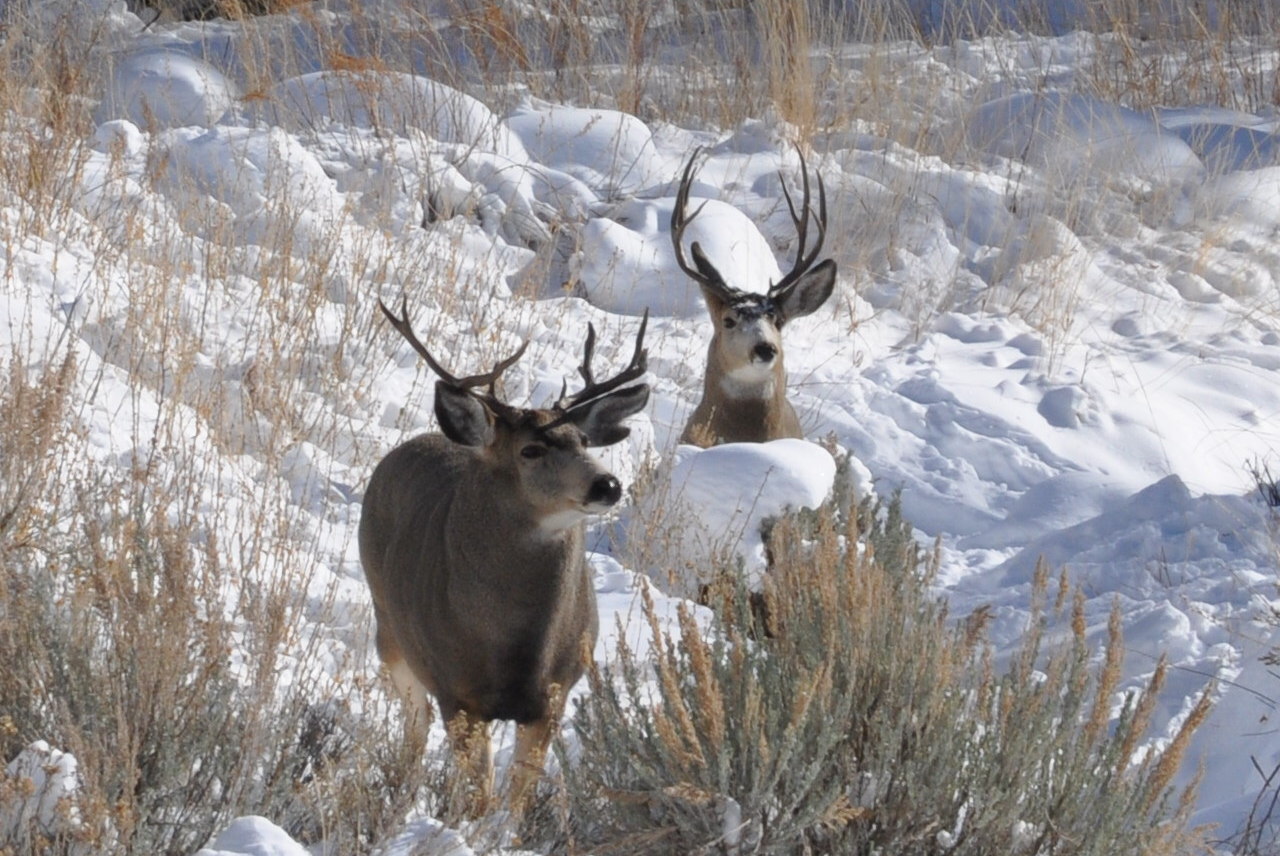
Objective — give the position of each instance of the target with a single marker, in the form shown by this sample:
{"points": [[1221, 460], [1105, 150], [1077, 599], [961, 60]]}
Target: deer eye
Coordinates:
{"points": [[533, 451], [730, 322]]}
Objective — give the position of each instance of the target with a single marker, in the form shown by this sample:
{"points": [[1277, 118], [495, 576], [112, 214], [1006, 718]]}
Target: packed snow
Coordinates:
{"points": [[1058, 338]]}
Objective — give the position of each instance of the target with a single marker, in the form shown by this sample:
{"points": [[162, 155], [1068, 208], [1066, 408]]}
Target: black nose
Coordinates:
{"points": [[765, 352], [605, 490]]}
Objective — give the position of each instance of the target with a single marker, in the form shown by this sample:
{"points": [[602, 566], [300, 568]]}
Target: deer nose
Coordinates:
{"points": [[764, 352], [605, 490]]}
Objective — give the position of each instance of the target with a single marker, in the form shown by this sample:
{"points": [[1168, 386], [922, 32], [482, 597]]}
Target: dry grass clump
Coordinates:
{"points": [[203, 10], [160, 616], [182, 678], [871, 724], [1227, 64], [615, 53]]}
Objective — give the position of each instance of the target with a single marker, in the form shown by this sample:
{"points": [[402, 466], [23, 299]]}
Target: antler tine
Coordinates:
{"points": [[405, 329], [679, 221], [587, 351], [804, 256], [635, 369], [565, 401], [490, 377]]}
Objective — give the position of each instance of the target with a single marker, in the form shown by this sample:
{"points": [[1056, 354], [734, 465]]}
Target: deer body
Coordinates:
{"points": [[722, 418], [472, 546], [744, 389], [527, 594]]}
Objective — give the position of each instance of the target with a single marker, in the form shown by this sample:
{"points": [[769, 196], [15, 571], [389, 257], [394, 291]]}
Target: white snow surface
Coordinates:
{"points": [[46, 781], [253, 836], [712, 502], [1082, 376]]}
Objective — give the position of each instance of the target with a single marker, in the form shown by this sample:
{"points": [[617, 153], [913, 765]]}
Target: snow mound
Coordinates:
{"points": [[1162, 523], [253, 836], [256, 179], [392, 103], [1225, 148], [609, 151], [425, 837], [158, 89], [627, 264], [1071, 133], [714, 501], [42, 786], [1249, 197]]}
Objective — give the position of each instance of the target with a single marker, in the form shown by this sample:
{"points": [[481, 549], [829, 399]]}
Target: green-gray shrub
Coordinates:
{"points": [[871, 723]]}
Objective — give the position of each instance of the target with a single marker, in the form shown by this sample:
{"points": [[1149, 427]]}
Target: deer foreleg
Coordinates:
{"points": [[529, 760], [413, 693], [474, 755]]}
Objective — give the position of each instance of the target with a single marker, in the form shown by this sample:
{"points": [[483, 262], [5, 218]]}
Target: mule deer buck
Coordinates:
{"points": [[744, 395], [472, 545]]}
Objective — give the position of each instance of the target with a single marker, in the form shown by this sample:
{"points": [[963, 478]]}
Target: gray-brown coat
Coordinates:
{"points": [[472, 545]]}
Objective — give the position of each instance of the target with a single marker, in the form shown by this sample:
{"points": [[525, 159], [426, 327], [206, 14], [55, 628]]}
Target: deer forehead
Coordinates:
{"points": [[564, 445], [536, 426], [754, 307], [756, 319]]}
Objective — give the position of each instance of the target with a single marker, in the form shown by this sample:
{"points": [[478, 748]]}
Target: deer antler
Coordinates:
{"points": [[701, 271], [489, 378], [594, 389], [804, 260]]}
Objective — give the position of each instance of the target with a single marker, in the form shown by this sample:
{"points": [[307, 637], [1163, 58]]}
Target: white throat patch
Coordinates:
{"points": [[558, 521], [754, 380]]}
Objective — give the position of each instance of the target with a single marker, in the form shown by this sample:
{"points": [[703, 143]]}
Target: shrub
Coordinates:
{"points": [[871, 724]]}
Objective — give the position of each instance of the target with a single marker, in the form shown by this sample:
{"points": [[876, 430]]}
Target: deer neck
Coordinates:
{"points": [[500, 523], [735, 409]]}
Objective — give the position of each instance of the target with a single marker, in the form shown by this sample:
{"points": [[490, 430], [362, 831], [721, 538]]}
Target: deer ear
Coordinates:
{"points": [[808, 292], [704, 265], [715, 292], [599, 419], [715, 303], [463, 418]]}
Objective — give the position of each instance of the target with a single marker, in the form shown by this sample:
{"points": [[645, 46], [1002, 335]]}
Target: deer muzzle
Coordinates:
{"points": [[764, 352], [605, 491]]}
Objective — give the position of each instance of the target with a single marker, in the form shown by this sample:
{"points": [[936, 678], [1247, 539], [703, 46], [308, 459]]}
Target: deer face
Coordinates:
{"points": [[539, 457], [747, 342], [553, 470], [746, 348]]}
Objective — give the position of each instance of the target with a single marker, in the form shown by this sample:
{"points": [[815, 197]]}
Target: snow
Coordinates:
{"points": [[390, 103], [713, 501], [613, 153], [48, 780], [166, 89], [627, 261], [1078, 135], [253, 836], [1058, 338]]}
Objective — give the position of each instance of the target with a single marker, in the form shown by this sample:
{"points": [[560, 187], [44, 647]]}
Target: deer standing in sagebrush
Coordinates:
{"points": [[744, 395], [472, 545]]}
